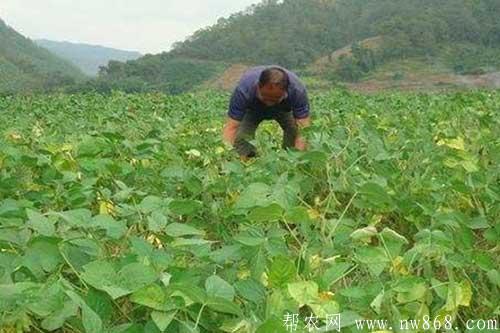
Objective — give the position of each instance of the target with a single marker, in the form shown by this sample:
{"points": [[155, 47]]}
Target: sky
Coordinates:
{"points": [[147, 26]]}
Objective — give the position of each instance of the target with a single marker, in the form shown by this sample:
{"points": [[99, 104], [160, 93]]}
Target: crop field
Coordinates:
{"points": [[127, 213]]}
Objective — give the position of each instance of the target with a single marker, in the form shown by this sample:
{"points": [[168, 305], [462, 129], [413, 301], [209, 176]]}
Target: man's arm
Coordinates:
{"points": [[303, 122], [230, 130], [300, 142], [237, 106]]}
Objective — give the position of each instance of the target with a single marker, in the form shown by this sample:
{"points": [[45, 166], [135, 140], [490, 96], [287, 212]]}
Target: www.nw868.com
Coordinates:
{"points": [[334, 322]]}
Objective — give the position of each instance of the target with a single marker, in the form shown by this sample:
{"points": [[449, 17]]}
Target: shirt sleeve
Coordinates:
{"points": [[237, 105], [300, 105]]}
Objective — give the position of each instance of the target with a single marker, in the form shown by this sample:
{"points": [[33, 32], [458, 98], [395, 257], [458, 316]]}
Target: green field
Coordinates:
{"points": [[127, 213]]}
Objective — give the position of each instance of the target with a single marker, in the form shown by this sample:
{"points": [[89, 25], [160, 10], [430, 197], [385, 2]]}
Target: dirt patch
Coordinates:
{"points": [[229, 79]]}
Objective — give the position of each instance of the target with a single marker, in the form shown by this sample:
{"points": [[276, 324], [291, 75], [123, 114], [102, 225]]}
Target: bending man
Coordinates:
{"points": [[267, 93]]}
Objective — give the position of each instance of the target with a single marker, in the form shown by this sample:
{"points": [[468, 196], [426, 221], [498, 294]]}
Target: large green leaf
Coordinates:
{"points": [[40, 223], [91, 321], [256, 194], [184, 207], [223, 305], [304, 292], [217, 287], [114, 229], [270, 213], [374, 258], [162, 319], [102, 275], [281, 272], [179, 230], [152, 296]]}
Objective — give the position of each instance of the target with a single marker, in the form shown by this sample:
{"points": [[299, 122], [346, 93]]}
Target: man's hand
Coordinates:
{"points": [[230, 130], [300, 142]]}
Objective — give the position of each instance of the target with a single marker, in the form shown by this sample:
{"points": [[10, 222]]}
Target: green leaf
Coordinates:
{"points": [[91, 321], [223, 305], [374, 258], [40, 223], [270, 213], [179, 230], [151, 203], [323, 308], [114, 229], [42, 256], [162, 319], [494, 277], [217, 287], [410, 289], [484, 261], [179, 242], [439, 288], [335, 272], [132, 277], [376, 304], [101, 303], [303, 292], [57, 318], [256, 194], [349, 318], [81, 218], [393, 241], [249, 240], [157, 221], [478, 223], [281, 272], [364, 234], [353, 292], [375, 196], [273, 325], [185, 207], [251, 290], [297, 215], [152, 296], [193, 293]]}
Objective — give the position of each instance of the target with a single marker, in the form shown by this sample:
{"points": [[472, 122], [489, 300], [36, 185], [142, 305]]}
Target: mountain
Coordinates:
{"points": [[85, 56], [27, 67], [462, 36]]}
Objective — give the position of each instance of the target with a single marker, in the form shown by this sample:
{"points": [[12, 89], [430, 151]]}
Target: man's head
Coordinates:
{"points": [[273, 86]]}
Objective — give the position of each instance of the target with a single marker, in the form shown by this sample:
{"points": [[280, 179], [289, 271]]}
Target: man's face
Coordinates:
{"points": [[271, 94]]}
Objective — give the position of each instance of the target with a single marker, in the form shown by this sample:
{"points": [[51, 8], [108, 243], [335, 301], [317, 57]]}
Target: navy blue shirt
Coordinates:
{"points": [[245, 95]]}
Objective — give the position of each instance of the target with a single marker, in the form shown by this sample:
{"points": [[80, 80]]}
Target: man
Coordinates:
{"points": [[266, 93]]}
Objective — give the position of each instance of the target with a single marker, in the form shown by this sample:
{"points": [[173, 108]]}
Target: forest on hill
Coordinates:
{"points": [[26, 67], [463, 34]]}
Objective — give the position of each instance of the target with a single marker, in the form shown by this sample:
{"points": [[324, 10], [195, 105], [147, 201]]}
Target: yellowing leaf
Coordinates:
{"points": [[364, 234], [398, 266], [193, 153], [464, 293], [313, 214], [459, 294], [457, 143], [106, 208]]}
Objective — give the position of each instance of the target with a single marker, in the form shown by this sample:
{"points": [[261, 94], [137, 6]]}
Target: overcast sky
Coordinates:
{"points": [[147, 26]]}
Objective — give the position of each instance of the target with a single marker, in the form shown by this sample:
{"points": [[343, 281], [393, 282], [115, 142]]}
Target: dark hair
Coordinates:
{"points": [[274, 75]]}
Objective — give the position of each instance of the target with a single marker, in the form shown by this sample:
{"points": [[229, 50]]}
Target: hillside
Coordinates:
{"points": [[88, 58], [462, 36], [26, 67]]}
